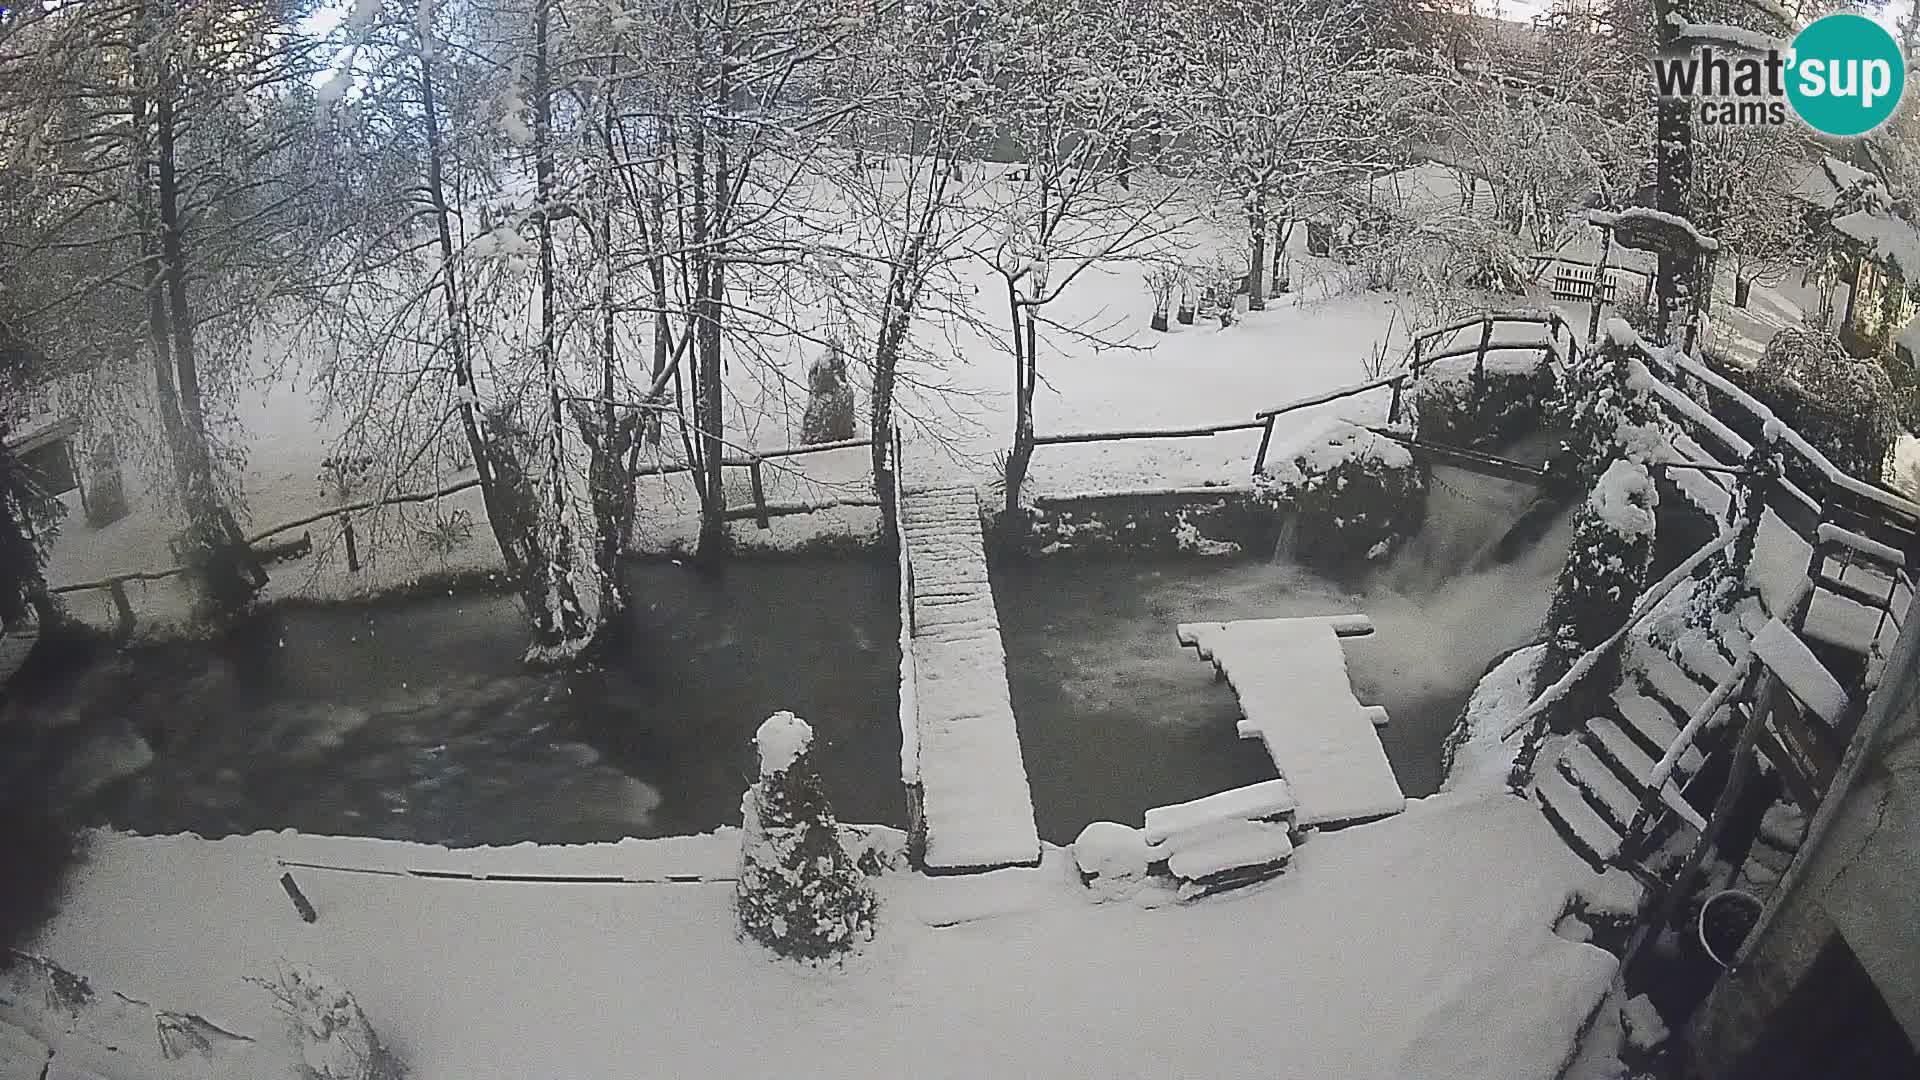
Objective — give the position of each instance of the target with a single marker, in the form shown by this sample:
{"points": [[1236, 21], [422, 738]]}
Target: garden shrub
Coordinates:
{"points": [[1844, 405], [1451, 403], [1603, 577], [1349, 494], [799, 893]]}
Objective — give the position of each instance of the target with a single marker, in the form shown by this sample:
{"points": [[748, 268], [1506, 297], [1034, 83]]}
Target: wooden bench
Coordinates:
{"points": [[1226, 840]]}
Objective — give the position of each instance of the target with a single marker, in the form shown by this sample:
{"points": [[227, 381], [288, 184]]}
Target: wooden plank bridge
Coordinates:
{"points": [[973, 808]]}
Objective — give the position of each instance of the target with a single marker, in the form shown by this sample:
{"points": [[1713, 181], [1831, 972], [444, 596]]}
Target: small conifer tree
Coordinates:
{"points": [[799, 893]]}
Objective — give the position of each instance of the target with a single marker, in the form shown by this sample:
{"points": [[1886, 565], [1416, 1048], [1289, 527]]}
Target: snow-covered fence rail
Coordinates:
{"points": [[1856, 502]]}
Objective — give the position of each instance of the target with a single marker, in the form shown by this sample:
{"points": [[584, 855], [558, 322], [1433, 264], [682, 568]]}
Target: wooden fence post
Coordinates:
{"points": [[1266, 439], [353, 546], [1480, 357], [122, 610], [1393, 410], [759, 495]]}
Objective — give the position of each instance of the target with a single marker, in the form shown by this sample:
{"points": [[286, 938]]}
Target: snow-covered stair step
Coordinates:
{"points": [[1703, 661], [1675, 687], [1242, 846], [1805, 677], [1654, 725], [1584, 829], [1604, 789], [1620, 749]]}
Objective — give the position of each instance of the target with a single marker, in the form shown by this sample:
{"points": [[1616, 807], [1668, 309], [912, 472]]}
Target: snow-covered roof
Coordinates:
{"points": [[1584, 245], [1415, 191], [1821, 182], [1884, 239]]}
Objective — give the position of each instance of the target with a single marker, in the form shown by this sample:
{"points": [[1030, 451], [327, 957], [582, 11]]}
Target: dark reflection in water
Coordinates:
{"points": [[415, 720]]}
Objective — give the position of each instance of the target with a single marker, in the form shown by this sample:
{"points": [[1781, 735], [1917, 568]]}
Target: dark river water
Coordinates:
{"points": [[415, 719], [1116, 716]]}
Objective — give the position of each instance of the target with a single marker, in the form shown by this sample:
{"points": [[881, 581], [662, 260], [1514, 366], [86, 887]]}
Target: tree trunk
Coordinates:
{"points": [[513, 553], [560, 622], [709, 196], [228, 572], [1282, 232], [1025, 378], [612, 475], [1742, 288], [1673, 180], [1257, 264]]}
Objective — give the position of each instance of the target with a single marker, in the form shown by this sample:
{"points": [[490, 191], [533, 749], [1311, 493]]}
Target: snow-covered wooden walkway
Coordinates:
{"points": [[976, 811], [1291, 678]]}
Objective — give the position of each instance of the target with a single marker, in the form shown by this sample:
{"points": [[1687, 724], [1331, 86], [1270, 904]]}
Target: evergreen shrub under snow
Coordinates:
{"points": [[1348, 493], [1607, 407], [1843, 404], [1458, 403], [829, 415], [1603, 577], [799, 893]]}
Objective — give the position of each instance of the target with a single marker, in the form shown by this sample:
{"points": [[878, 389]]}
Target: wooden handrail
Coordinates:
{"points": [[1334, 395], [1145, 433]]}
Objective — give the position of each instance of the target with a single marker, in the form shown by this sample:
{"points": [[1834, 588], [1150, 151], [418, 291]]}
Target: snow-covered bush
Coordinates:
{"points": [[829, 415], [1112, 858], [799, 893], [1456, 403], [1726, 582], [328, 1028], [1843, 404], [1608, 410], [1604, 575], [1348, 492]]}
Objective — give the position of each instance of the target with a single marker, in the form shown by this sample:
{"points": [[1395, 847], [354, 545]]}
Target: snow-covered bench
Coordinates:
{"points": [[1224, 840]]}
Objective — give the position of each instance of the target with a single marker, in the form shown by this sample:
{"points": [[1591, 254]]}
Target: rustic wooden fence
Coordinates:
{"points": [[761, 511], [1557, 346]]}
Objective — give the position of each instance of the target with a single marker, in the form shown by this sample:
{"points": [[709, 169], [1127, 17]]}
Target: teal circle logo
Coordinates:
{"points": [[1847, 75]]}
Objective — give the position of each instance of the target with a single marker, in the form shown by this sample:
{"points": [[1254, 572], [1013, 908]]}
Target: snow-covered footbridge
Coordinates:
{"points": [[973, 810], [1291, 678]]}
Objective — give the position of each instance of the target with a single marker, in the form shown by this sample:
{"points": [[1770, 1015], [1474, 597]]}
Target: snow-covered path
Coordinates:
{"points": [[1420, 946]]}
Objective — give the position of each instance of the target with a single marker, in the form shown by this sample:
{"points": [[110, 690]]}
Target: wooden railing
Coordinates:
{"points": [[1558, 347], [762, 511]]}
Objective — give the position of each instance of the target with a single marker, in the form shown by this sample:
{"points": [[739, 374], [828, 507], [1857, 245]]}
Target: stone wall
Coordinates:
{"points": [[1184, 521]]}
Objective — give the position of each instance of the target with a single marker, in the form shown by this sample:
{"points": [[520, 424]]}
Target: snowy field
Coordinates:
{"points": [[1420, 946]]}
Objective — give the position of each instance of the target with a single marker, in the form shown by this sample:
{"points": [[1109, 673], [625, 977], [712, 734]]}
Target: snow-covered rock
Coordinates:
{"points": [[1108, 851], [1641, 1021]]}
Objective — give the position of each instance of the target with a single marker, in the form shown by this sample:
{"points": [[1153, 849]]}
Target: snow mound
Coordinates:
{"points": [[1477, 758], [1110, 851], [781, 739], [1624, 498], [1645, 1030], [1332, 445]]}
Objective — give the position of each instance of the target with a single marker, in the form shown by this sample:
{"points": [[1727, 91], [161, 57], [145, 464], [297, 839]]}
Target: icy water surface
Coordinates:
{"points": [[1116, 717], [415, 720]]}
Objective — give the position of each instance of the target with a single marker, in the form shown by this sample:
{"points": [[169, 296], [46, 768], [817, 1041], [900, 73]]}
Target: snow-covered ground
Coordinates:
{"points": [[1420, 946]]}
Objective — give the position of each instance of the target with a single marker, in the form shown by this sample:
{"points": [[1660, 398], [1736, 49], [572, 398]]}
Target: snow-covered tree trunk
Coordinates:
{"points": [[798, 893]]}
